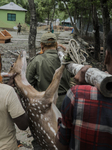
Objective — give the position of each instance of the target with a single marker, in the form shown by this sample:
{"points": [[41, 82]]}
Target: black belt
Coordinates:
{"points": [[61, 93]]}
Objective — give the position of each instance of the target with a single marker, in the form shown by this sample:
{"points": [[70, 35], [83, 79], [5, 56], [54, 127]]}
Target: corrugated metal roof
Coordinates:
{"points": [[12, 6]]}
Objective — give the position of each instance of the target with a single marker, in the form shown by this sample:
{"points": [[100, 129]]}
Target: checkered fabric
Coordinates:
{"points": [[86, 119]]}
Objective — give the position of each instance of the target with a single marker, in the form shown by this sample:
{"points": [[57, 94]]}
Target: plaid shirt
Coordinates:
{"points": [[86, 119]]}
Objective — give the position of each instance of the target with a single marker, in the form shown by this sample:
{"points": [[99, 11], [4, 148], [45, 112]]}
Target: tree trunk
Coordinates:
{"points": [[48, 18], [76, 31], [106, 22], [51, 23], [93, 76], [96, 34], [88, 23], [33, 29], [53, 12], [75, 17], [82, 25]]}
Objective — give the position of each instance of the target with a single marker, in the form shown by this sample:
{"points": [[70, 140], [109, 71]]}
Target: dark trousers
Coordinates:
{"points": [[36, 146]]}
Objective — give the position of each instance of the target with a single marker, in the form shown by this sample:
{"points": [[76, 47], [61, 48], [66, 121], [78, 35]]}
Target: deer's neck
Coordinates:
{"points": [[26, 89]]}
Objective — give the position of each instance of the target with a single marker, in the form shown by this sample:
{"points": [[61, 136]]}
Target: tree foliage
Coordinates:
{"points": [[75, 9]]}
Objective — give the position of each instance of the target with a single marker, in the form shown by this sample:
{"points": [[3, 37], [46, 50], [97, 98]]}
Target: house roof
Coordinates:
{"points": [[12, 6], [68, 20]]}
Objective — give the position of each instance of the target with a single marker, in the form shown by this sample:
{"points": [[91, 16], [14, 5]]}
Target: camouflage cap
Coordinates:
{"points": [[46, 36]]}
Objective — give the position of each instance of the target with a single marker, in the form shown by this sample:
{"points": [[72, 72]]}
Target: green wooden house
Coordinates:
{"points": [[11, 14]]}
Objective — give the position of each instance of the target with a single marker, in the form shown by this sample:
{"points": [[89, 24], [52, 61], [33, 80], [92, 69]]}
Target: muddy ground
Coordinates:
{"points": [[18, 43]]}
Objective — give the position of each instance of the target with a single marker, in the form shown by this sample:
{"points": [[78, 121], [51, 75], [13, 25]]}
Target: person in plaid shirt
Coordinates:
{"points": [[86, 114]]}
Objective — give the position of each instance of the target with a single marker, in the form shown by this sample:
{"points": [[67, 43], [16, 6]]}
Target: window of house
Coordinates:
{"points": [[11, 17]]}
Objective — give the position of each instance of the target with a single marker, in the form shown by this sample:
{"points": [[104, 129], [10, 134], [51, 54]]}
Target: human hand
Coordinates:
{"points": [[80, 76], [62, 46]]}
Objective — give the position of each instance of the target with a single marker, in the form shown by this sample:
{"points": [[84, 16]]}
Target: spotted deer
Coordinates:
{"points": [[40, 106]]}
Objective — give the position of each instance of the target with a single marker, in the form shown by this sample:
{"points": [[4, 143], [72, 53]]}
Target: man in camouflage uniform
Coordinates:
{"points": [[41, 69]]}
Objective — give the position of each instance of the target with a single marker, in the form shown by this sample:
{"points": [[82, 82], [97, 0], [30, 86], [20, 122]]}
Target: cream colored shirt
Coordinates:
{"points": [[10, 107]]}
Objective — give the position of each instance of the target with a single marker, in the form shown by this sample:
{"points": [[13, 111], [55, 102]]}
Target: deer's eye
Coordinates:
{"points": [[12, 65]]}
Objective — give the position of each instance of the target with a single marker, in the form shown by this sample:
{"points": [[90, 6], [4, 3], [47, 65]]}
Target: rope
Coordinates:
{"points": [[77, 55]]}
